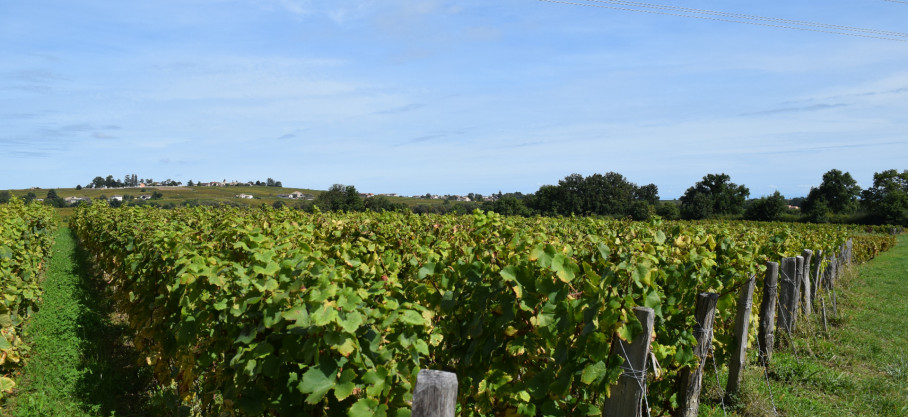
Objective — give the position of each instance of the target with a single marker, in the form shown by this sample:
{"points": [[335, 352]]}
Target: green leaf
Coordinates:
{"points": [[324, 315], [593, 372], [345, 386], [351, 321], [509, 273], [363, 408], [660, 237], [316, 382], [297, 314], [426, 270], [412, 317]]}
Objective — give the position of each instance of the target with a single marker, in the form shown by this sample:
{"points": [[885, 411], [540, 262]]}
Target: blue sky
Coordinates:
{"points": [[450, 97]]}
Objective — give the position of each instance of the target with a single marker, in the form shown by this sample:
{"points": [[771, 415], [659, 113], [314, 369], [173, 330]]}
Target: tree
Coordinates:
{"points": [[190, 183], [609, 194], [507, 206], [30, 197], [278, 184], [5, 197], [78, 187], [887, 200], [713, 196], [837, 194], [98, 182], [382, 203], [766, 208], [668, 210], [340, 198], [270, 182]]}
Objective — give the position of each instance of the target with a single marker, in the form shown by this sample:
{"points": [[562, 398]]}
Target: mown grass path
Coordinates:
{"points": [[858, 368], [80, 364]]}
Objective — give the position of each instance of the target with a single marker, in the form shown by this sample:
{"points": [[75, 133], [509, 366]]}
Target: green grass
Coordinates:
{"points": [[858, 368], [81, 362]]}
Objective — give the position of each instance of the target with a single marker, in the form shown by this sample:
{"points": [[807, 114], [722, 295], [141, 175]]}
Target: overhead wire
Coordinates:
{"points": [[680, 13]]}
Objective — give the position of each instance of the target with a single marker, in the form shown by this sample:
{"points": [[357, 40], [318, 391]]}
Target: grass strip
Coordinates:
{"points": [[81, 364], [858, 368]]}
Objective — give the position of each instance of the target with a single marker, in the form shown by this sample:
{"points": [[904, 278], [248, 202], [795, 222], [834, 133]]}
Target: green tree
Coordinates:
{"points": [[887, 199], [5, 197], [30, 197], [609, 194], [507, 206], [340, 198], [668, 210], [715, 195], [767, 208], [837, 194]]}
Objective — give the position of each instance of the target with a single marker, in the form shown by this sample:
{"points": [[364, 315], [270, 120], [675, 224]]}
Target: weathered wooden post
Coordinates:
{"points": [[739, 343], [692, 378], [816, 275], [626, 397], [768, 311], [825, 325], [435, 394], [828, 273], [788, 295], [849, 245], [807, 305]]}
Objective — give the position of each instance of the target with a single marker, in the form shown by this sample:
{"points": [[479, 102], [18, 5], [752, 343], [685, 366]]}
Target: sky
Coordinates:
{"points": [[452, 97]]}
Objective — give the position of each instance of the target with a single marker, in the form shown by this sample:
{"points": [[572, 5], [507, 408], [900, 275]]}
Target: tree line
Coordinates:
{"points": [[837, 198]]}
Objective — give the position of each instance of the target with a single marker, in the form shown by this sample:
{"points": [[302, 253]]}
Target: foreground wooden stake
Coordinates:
{"points": [[768, 311], [807, 304], [788, 294], [825, 326], [816, 275], [692, 377], [739, 343], [626, 397], [435, 394]]}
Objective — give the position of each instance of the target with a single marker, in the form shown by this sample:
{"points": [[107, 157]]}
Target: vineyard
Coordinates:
{"points": [[283, 312], [26, 236]]}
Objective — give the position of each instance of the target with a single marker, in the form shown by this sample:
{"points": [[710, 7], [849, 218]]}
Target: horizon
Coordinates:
{"points": [[452, 97]]}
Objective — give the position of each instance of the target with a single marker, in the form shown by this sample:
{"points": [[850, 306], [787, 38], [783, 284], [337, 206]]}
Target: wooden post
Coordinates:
{"points": [[788, 295], [768, 311], [739, 343], [825, 326], [834, 275], [435, 394], [626, 397], [807, 305], [816, 275], [691, 378], [828, 273], [849, 245]]}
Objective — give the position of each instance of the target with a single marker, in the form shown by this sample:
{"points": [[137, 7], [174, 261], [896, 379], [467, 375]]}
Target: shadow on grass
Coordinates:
{"points": [[114, 380]]}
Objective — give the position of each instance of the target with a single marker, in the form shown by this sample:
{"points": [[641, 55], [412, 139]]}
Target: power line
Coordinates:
{"points": [[722, 19]]}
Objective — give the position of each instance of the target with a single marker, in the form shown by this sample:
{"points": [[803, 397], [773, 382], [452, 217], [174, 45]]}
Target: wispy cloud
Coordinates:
{"points": [[815, 107]]}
